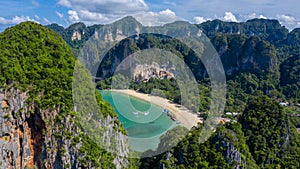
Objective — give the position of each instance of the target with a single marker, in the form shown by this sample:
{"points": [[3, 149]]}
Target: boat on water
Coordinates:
{"points": [[146, 113], [173, 118], [135, 112], [167, 112]]}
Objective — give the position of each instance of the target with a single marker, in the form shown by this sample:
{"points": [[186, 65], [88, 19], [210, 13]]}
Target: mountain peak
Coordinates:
{"points": [[127, 20]]}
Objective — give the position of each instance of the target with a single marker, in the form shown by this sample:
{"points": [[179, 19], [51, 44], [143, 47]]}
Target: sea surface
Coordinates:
{"points": [[144, 122]]}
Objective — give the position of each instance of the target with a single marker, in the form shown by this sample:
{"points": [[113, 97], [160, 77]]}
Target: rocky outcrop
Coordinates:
{"points": [[293, 37], [26, 137], [118, 30], [143, 72], [76, 36], [39, 126], [230, 153], [267, 29], [16, 142], [120, 146], [240, 54], [31, 137]]}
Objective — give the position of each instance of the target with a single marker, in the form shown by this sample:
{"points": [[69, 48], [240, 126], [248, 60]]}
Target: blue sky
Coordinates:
{"points": [[148, 12]]}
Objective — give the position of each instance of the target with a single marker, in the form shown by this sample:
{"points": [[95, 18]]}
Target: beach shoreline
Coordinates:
{"points": [[182, 114]]}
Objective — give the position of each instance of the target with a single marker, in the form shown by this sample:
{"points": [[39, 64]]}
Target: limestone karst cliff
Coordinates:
{"points": [[39, 125]]}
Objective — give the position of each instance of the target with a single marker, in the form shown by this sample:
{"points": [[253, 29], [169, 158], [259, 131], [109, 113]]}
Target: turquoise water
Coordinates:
{"points": [[144, 122]]}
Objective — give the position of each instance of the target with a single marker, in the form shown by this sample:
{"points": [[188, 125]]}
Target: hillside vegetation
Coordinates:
{"points": [[41, 126], [36, 62]]}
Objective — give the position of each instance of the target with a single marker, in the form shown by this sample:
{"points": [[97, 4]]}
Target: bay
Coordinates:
{"points": [[144, 122]]}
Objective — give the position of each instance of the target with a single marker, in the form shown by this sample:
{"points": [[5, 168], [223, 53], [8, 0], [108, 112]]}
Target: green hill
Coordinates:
{"points": [[38, 123], [42, 127]]}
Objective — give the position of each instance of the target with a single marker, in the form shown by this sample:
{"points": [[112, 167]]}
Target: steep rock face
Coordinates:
{"points": [[230, 153], [267, 29], [143, 72], [241, 54], [290, 76], [27, 138], [39, 126], [293, 37], [141, 43], [119, 30], [240, 51], [76, 32], [226, 148], [76, 36], [30, 137], [16, 142], [120, 146]]}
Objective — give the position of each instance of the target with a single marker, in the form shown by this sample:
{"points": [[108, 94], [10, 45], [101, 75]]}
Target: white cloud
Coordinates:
{"points": [[35, 3], [170, 3], [106, 6], [167, 12], [92, 16], [156, 18], [230, 17], [286, 19], [289, 21], [261, 17], [200, 19], [60, 15], [65, 3], [37, 17], [46, 21], [253, 16], [107, 11], [15, 20], [73, 16]]}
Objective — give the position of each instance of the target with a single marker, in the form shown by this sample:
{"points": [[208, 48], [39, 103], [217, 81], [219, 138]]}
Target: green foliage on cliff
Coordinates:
{"points": [[267, 29], [130, 45], [271, 137], [260, 57], [240, 54], [263, 137], [85, 32], [290, 77], [35, 59], [226, 148]]}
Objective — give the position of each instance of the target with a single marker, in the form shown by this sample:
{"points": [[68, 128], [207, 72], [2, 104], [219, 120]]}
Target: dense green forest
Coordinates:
{"points": [[263, 137], [262, 66], [36, 60], [260, 58], [261, 74]]}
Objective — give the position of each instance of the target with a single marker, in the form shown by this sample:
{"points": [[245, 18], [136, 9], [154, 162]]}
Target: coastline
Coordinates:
{"points": [[182, 114]]}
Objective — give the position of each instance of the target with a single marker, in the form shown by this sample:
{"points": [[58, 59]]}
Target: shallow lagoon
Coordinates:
{"points": [[144, 122]]}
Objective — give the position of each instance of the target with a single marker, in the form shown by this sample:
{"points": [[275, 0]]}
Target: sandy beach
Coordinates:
{"points": [[182, 114]]}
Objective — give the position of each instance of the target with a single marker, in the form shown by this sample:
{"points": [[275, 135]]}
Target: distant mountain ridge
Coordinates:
{"points": [[258, 46], [39, 120], [269, 29], [77, 34]]}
